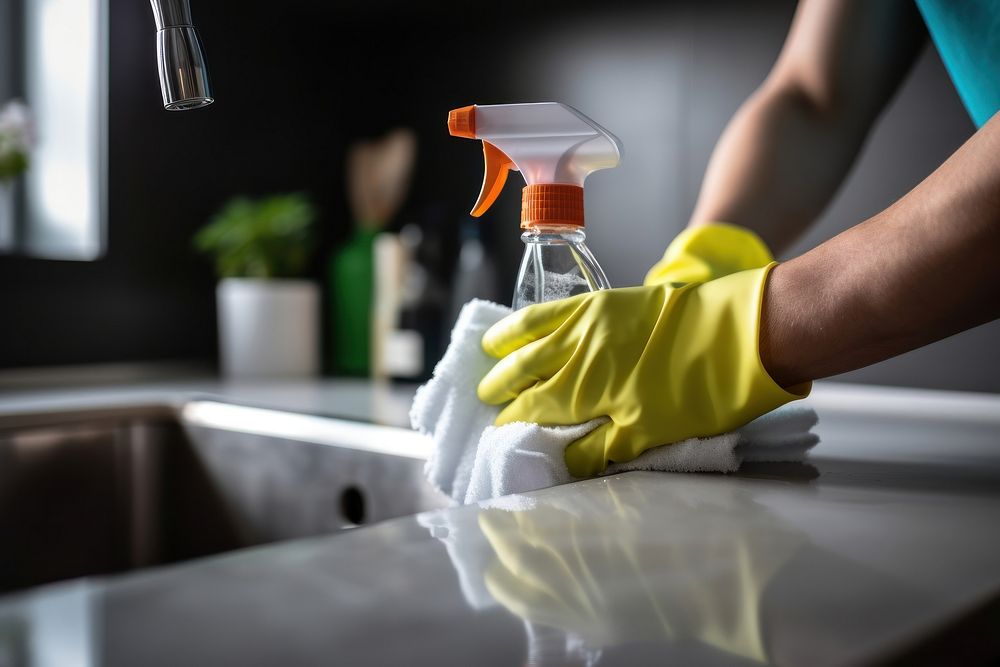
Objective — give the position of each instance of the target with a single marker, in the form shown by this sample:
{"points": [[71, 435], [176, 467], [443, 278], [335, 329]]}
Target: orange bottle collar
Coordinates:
{"points": [[551, 204]]}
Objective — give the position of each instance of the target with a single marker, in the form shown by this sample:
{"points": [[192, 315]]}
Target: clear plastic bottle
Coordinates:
{"points": [[556, 264], [555, 148]]}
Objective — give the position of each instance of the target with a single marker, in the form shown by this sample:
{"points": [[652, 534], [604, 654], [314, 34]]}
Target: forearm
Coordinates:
{"points": [[922, 270], [777, 165], [789, 147]]}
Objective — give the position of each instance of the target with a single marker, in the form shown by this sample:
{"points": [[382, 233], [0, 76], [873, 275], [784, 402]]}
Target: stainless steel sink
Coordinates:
{"points": [[105, 491]]}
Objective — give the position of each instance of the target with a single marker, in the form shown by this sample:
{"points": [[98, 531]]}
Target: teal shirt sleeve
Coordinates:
{"points": [[967, 35]]}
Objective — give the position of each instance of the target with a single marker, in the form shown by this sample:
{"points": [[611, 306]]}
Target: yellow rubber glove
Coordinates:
{"points": [[663, 363], [700, 254]]}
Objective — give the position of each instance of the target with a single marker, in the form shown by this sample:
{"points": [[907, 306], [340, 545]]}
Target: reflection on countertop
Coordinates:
{"points": [[882, 547]]}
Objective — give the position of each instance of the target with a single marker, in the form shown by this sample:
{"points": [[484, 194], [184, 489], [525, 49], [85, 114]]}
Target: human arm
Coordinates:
{"points": [[789, 147], [925, 268]]}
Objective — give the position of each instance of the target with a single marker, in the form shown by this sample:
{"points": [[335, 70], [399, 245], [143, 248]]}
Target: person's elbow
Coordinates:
{"points": [[823, 100]]}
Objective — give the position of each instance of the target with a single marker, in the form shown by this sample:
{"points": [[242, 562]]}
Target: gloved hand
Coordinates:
{"points": [[663, 363], [700, 254]]}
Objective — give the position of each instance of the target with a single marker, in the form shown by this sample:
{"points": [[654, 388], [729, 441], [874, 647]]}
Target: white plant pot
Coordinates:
{"points": [[268, 328]]}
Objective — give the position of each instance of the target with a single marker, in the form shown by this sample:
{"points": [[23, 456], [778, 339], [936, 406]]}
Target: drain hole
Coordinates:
{"points": [[352, 505]]}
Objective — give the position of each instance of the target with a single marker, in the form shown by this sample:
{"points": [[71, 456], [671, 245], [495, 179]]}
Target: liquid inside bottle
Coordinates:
{"points": [[557, 264]]}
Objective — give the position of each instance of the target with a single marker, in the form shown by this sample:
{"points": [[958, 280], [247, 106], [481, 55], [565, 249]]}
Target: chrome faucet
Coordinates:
{"points": [[181, 59]]}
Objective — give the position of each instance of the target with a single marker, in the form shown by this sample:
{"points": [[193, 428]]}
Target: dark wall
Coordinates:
{"points": [[297, 81]]}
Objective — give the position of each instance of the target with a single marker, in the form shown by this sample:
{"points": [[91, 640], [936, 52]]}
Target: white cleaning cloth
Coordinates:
{"points": [[473, 460]]}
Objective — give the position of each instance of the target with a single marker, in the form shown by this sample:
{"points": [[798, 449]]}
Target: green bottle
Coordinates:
{"points": [[351, 278]]}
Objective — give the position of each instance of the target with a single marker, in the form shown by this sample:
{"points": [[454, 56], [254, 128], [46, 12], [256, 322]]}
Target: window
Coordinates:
{"points": [[56, 61]]}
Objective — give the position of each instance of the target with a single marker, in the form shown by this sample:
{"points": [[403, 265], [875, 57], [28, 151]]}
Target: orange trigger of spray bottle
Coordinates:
{"points": [[462, 123]]}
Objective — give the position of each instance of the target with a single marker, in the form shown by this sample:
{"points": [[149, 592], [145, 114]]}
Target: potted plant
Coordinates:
{"points": [[268, 316], [15, 145]]}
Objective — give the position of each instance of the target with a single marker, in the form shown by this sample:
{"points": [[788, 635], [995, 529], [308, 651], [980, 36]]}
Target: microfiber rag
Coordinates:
{"points": [[473, 460]]}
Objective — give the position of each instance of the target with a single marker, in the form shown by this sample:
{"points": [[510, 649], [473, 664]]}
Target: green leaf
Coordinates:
{"points": [[12, 164], [267, 238]]}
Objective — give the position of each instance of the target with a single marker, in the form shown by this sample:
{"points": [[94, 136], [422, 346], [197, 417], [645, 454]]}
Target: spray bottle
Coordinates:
{"points": [[555, 147]]}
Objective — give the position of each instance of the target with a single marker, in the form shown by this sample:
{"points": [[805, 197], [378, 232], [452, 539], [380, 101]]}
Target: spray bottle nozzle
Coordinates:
{"points": [[551, 144], [462, 122]]}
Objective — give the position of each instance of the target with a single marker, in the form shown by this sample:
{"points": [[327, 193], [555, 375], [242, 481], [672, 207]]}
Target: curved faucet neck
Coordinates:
{"points": [[171, 13]]}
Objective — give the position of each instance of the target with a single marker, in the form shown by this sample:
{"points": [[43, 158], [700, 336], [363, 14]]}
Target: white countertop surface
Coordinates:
{"points": [[883, 543]]}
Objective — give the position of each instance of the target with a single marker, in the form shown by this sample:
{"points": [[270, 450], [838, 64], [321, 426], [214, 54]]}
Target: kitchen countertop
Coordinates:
{"points": [[355, 399], [882, 546]]}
